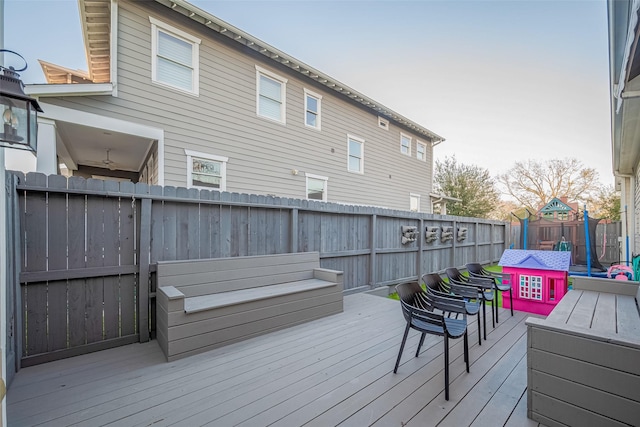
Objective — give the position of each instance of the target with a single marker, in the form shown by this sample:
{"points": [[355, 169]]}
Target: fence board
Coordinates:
{"points": [[76, 259]]}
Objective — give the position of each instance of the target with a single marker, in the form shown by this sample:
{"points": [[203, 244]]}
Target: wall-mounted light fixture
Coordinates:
{"points": [[19, 111]]}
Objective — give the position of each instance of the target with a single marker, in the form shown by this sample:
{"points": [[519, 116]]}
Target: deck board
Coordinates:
{"points": [[332, 371]]}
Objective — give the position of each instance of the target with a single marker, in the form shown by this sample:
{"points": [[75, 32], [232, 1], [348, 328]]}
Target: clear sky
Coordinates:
{"points": [[502, 81]]}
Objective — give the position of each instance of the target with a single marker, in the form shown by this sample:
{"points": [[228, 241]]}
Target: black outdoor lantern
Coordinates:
{"points": [[19, 111]]}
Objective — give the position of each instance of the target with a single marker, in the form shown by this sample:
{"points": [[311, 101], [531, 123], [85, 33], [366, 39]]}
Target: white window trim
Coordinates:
{"points": [[419, 143], [318, 177], [360, 140], [156, 26], [223, 169], [411, 196], [283, 93], [383, 123], [410, 141], [317, 96]]}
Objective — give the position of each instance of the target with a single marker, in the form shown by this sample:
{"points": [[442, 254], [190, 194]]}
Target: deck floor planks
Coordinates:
{"points": [[255, 385], [180, 382]]}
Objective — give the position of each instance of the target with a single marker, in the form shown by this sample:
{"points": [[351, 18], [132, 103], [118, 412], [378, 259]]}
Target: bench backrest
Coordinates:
{"points": [[208, 276]]}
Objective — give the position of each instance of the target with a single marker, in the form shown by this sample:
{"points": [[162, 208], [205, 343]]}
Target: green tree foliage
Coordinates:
{"points": [[471, 184], [605, 204], [534, 183]]}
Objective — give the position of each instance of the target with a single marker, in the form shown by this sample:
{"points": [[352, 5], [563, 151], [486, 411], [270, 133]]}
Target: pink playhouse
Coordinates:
{"points": [[539, 278]]}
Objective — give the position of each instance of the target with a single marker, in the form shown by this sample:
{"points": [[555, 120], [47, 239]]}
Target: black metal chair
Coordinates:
{"points": [[502, 281], [418, 310], [484, 287], [435, 284]]}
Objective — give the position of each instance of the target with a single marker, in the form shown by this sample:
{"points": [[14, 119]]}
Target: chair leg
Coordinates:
{"points": [[493, 311], [479, 330], [420, 344], [466, 350], [404, 339], [511, 301], [484, 318], [446, 366], [495, 303]]}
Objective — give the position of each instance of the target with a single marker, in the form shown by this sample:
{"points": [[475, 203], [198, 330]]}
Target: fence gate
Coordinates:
{"points": [[79, 272]]}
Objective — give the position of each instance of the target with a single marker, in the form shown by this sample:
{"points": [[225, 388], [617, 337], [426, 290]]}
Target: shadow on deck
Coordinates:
{"points": [[332, 371]]}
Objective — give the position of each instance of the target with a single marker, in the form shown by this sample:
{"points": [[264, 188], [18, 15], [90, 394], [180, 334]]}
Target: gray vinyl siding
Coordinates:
{"points": [[222, 121]]}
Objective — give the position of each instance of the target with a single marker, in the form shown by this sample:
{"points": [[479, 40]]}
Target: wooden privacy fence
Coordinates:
{"points": [[86, 250]]}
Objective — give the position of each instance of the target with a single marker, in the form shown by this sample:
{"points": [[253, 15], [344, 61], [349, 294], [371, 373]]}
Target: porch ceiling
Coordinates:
{"points": [[84, 145]]}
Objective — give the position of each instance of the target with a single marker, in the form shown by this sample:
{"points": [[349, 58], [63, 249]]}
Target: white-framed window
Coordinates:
{"points": [[316, 187], [271, 95], [355, 148], [175, 57], [206, 171], [530, 287], [405, 144], [414, 202], [421, 151], [383, 123], [312, 109]]}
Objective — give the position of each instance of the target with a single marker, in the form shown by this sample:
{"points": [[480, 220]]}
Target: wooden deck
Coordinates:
{"points": [[332, 371]]}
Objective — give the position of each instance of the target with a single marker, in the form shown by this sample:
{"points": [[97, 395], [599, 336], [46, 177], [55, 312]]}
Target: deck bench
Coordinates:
{"points": [[583, 360], [208, 303]]}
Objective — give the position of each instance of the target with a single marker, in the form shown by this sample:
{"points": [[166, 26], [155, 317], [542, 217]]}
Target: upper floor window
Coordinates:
{"points": [[312, 107], [405, 144], [206, 171], [421, 151], [316, 187], [414, 202], [356, 154], [175, 57], [271, 95]]}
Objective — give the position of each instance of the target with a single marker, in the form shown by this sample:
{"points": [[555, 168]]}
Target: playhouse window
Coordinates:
{"points": [[530, 287]]}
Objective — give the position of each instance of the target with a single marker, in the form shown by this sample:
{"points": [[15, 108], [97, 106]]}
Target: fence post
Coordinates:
{"points": [[143, 282], [294, 230], [421, 237], [372, 255]]}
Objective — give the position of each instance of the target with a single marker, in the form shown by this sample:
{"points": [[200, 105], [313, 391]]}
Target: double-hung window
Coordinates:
{"points": [[421, 151], [271, 95], [316, 187], [312, 108], [405, 144], [175, 57], [206, 171], [355, 154]]}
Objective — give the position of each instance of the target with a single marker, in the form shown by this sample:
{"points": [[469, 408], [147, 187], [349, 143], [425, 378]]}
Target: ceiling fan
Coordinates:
{"points": [[108, 162]]}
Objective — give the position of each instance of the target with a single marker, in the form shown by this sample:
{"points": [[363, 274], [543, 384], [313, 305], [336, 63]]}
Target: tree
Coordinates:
{"points": [[534, 183], [469, 183], [605, 204]]}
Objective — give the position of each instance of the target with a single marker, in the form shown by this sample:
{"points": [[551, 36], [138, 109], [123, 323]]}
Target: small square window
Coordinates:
{"points": [[206, 171], [312, 108], [316, 187], [405, 144], [356, 154], [421, 151]]}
